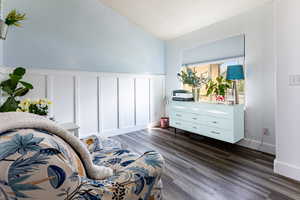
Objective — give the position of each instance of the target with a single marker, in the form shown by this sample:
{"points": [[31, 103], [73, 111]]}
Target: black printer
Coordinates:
{"points": [[182, 95]]}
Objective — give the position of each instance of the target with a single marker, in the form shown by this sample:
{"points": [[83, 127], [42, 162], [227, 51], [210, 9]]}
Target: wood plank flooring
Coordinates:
{"points": [[199, 168]]}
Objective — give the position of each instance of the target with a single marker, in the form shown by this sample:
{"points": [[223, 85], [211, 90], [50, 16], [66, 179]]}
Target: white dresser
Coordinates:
{"points": [[219, 121]]}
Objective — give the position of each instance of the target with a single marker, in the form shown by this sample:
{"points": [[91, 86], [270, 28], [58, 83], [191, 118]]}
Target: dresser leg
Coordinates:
{"points": [[175, 131]]}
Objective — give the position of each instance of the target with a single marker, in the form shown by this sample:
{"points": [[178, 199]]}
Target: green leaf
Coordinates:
{"points": [[21, 92], [14, 18], [26, 85], [7, 87], [14, 77], [10, 87], [218, 87], [10, 105], [20, 71]]}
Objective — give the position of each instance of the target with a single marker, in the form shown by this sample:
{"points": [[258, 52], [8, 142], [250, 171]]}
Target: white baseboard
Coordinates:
{"points": [[287, 170], [127, 130], [256, 145], [123, 131]]}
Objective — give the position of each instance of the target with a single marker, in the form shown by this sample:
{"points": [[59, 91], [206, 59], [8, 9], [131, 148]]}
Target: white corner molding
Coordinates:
{"points": [[287, 170], [257, 145]]}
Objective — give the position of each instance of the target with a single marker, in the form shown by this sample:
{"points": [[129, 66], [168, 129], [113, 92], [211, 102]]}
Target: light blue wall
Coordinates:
{"points": [[80, 34]]}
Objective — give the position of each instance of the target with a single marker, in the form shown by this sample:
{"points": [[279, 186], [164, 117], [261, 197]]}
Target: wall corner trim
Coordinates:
{"points": [[257, 145], [287, 170]]}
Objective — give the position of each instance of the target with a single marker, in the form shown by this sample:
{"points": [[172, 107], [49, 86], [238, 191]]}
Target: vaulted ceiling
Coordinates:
{"points": [[168, 19]]}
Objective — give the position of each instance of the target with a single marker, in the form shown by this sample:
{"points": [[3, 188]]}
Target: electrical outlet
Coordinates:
{"points": [[294, 80], [266, 131]]}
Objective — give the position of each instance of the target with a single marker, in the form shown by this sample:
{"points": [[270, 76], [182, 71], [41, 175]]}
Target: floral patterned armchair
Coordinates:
{"points": [[35, 164]]}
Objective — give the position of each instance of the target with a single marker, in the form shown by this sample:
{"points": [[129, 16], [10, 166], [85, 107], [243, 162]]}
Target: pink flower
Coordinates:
{"points": [[220, 98]]}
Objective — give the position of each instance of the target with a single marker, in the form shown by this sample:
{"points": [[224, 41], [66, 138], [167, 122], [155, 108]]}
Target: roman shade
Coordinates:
{"points": [[232, 47]]}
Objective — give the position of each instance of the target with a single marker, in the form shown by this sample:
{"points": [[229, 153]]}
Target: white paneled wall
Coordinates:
{"points": [[62, 93], [39, 82], [88, 115], [104, 103], [157, 98], [142, 105], [109, 103], [126, 102]]}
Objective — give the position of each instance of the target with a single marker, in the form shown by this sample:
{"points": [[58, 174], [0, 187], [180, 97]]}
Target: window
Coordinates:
{"points": [[212, 71]]}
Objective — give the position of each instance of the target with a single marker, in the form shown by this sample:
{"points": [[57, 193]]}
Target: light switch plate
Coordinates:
{"points": [[294, 80]]}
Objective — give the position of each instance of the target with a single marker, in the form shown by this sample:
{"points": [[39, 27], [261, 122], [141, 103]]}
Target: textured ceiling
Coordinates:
{"points": [[168, 19]]}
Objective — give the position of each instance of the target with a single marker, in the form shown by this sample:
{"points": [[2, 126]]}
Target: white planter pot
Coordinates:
{"points": [[3, 30]]}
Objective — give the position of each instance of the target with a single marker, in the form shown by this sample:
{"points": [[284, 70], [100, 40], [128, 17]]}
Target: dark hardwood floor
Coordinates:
{"points": [[200, 168]]}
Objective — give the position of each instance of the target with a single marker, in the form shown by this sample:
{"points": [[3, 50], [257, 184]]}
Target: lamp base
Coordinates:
{"points": [[236, 96]]}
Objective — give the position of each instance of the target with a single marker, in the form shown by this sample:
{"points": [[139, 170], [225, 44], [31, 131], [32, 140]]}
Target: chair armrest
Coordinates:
{"points": [[139, 180]]}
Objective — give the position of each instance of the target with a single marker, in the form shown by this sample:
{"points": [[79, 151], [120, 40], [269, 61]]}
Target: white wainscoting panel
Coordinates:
{"points": [[88, 104], [126, 103], [39, 82], [157, 99], [142, 92], [104, 103], [62, 93], [109, 103]]}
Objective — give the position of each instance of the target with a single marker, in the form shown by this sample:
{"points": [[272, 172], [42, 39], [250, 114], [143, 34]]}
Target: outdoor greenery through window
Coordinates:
{"points": [[212, 71]]}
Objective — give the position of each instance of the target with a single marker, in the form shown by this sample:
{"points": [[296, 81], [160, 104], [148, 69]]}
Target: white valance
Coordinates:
{"points": [[232, 47]]}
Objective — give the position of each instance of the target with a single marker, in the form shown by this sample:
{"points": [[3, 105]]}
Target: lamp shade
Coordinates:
{"points": [[235, 72]]}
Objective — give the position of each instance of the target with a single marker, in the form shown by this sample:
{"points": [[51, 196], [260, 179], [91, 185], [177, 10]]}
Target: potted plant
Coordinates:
{"points": [[14, 87], [190, 78], [12, 19], [218, 88]]}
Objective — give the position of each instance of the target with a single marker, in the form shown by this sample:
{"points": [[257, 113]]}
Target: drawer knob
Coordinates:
{"points": [[178, 115], [214, 122], [194, 118], [178, 123], [215, 132], [194, 127]]}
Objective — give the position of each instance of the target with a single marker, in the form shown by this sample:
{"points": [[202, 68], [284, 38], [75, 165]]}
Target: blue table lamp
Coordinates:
{"points": [[234, 73]]}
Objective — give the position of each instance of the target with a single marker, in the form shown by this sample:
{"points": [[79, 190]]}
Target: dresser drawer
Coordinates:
{"points": [[198, 129], [176, 123], [221, 123], [216, 133], [179, 115], [226, 113], [186, 116], [178, 108], [188, 126], [220, 134]]}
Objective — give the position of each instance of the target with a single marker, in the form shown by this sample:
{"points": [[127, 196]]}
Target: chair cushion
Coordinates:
{"points": [[116, 158], [97, 143], [109, 153]]}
